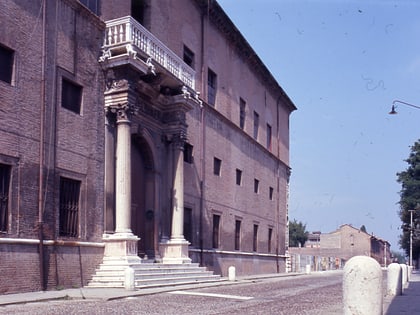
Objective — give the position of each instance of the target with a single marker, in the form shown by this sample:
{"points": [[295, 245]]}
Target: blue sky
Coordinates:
{"points": [[342, 63]]}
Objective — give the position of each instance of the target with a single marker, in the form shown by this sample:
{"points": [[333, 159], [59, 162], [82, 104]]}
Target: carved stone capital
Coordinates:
{"points": [[122, 112]]}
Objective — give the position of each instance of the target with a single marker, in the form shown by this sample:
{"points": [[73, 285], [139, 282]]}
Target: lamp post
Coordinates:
{"points": [[411, 237], [394, 106]]}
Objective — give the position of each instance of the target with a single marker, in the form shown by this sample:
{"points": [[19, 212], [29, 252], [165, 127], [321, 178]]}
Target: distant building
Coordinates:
{"points": [[344, 243], [136, 131]]}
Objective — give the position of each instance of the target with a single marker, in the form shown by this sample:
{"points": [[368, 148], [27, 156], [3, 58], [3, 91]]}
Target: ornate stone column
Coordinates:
{"points": [[122, 245], [175, 250]]}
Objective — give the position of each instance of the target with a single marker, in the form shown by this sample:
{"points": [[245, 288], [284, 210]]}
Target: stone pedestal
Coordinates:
{"points": [[121, 248], [175, 251]]}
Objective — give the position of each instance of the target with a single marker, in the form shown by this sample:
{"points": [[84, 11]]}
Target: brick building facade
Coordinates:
{"points": [[189, 161]]}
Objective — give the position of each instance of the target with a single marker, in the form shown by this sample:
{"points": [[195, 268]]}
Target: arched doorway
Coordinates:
{"points": [[143, 197]]}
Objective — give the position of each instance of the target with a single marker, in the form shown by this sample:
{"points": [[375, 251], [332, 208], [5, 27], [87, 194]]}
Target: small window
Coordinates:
{"points": [[238, 177], [71, 96], [256, 124], [211, 87], [256, 185], [242, 105], [188, 153], [237, 234], [216, 230], [268, 137], [188, 224], [4, 195], [270, 237], [6, 64], [92, 5], [217, 166], [271, 193], [69, 207], [255, 238], [188, 57]]}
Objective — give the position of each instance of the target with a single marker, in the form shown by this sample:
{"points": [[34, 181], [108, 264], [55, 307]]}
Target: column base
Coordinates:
{"points": [[122, 247], [175, 251]]}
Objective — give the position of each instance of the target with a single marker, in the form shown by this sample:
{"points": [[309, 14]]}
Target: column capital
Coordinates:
{"points": [[122, 112]]}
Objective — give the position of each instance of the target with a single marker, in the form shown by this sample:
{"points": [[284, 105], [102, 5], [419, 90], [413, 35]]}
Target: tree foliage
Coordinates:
{"points": [[410, 199], [297, 233], [363, 228]]}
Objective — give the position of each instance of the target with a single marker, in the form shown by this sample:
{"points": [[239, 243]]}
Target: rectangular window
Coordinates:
{"points": [[138, 8], [69, 207], [217, 166], [270, 237], [256, 124], [238, 177], [4, 195], [188, 233], [256, 185], [242, 105], [188, 153], [71, 96], [237, 234], [216, 230], [6, 64], [268, 137], [211, 87], [255, 238], [271, 193], [92, 5], [188, 57]]}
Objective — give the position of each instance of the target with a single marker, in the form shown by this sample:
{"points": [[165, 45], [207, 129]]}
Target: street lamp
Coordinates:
{"points": [[411, 236], [394, 106]]}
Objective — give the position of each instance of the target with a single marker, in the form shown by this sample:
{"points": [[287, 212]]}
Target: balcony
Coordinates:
{"points": [[126, 37]]}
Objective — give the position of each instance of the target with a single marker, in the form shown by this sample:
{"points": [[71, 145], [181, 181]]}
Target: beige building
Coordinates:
{"points": [[135, 133], [344, 243]]}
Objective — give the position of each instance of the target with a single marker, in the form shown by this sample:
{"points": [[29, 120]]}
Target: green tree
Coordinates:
{"points": [[410, 199], [297, 233]]}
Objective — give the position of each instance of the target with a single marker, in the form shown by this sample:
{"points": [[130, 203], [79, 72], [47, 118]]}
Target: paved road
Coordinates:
{"points": [[319, 293]]}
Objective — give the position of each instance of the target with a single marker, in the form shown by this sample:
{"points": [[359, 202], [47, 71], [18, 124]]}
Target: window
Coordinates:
{"points": [[188, 153], [71, 96], [137, 10], [4, 195], [268, 137], [256, 185], [270, 193], [92, 5], [188, 57], [255, 238], [242, 105], [188, 224], [237, 234], [256, 124], [217, 166], [238, 177], [69, 207], [216, 228], [6, 64], [211, 87], [270, 237]]}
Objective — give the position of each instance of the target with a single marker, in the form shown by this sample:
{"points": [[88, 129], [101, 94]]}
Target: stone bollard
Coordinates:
{"points": [[404, 276], [308, 269], [129, 279], [232, 273], [362, 286], [394, 280]]}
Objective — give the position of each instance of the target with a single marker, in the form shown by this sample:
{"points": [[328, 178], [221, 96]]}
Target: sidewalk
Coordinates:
{"points": [[105, 294], [408, 302]]}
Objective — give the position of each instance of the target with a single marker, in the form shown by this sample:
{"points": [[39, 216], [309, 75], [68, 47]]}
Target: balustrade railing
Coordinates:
{"points": [[127, 31]]}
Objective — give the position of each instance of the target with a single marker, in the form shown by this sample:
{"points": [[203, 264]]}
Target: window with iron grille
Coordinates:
{"points": [[242, 105], [268, 137], [217, 166], [211, 87], [270, 237], [4, 195], [216, 230], [92, 5], [271, 193], [237, 234], [256, 124], [69, 207], [255, 238], [188, 232], [188, 57], [256, 185], [71, 96], [238, 177], [6, 64]]}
